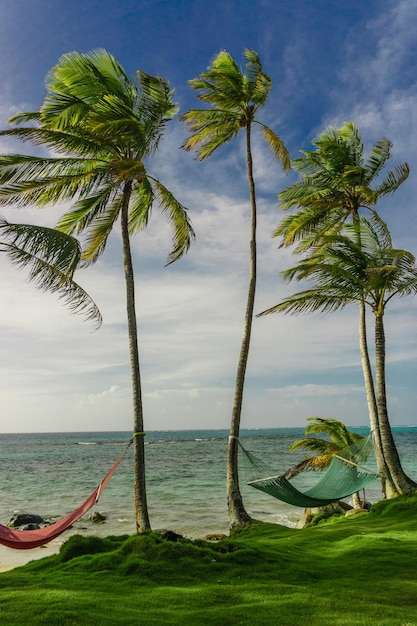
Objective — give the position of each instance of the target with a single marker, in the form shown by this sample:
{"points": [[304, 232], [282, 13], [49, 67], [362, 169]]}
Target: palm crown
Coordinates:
{"points": [[235, 98], [103, 126], [355, 266], [339, 440], [337, 181]]}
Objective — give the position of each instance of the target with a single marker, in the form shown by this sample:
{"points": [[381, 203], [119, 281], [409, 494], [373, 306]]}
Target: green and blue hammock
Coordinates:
{"points": [[341, 479]]}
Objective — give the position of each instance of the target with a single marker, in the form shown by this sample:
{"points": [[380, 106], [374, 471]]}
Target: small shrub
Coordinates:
{"points": [[77, 545]]}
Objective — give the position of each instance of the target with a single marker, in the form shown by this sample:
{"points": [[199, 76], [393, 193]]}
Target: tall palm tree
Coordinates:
{"points": [[337, 182], [52, 258], [357, 266], [101, 126], [234, 98]]}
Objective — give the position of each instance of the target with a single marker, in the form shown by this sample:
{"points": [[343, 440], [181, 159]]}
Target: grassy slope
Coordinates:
{"points": [[352, 571]]}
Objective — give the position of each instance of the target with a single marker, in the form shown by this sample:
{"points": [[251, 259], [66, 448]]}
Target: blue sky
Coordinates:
{"points": [[330, 62]]}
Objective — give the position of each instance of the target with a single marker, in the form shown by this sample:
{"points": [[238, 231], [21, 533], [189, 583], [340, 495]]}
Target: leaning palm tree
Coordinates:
{"points": [[235, 98], [101, 126], [358, 267], [338, 440], [338, 181], [52, 258]]}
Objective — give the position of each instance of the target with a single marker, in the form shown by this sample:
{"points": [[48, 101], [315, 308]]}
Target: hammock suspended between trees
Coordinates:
{"points": [[28, 539], [342, 478]]}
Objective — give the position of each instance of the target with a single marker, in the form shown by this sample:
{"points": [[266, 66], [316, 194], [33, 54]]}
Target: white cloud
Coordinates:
{"points": [[58, 375]]}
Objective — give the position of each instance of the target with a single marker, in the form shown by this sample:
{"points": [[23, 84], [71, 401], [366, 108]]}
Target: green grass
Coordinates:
{"points": [[349, 571]]}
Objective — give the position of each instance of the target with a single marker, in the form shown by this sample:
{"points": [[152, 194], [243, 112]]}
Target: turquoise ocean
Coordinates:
{"points": [[50, 474]]}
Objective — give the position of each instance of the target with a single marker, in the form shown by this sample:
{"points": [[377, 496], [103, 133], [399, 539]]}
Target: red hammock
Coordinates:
{"points": [[27, 539]]}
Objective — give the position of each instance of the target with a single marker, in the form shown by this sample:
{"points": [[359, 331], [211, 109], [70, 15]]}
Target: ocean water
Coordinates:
{"points": [[51, 474]]}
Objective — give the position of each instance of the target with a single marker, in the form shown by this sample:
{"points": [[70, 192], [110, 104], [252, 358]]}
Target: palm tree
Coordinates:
{"points": [[339, 441], [52, 258], [234, 98], [357, 266], [338, 181], [101, 125]]}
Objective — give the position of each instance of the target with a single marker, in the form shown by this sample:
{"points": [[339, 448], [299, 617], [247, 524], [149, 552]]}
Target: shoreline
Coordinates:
{"points": [[11, 558]]}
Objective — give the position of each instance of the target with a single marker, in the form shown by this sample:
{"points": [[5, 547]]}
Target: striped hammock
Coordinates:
{"points": [[28, 539]]}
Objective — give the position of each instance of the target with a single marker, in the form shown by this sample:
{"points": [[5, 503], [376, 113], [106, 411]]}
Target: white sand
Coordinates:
{"points": [[10, 558]]}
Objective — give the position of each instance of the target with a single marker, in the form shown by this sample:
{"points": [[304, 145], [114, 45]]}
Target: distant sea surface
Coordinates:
{"points": [[51, 474]]}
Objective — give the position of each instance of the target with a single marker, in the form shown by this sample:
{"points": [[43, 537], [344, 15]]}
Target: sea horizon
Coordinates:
{"points": [[174, 430]]}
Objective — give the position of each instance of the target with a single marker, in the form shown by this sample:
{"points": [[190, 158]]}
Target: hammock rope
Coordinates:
{"points": [[342, 478], [28, 539]]}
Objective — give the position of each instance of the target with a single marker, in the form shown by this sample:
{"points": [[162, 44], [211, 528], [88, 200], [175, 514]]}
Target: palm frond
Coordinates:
{"points": [[140, 206], [68, 142], [27, 180], [310, 301], [277, 147], [257, 84], [52, 258], [103, 124], [86, 210], [98, 233], [393, 180], [112, 77], [79, 81], [381, 229], [377, 159], [24, 117], [222, 84], [213, 130], [183, 232], [157, 98], [311, 222]]}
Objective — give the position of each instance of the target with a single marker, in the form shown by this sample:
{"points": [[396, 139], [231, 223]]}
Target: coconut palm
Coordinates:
{"points": [[357, 266], [234, 98], [338, 181], [339, 439], [52, 258], [101, 125]]}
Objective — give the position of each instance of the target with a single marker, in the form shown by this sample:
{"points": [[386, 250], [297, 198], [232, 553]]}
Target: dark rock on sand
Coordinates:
{"points": [[21, 519], [30, 527], [169, 535]]}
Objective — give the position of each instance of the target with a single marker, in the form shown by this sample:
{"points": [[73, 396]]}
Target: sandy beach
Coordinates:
{"points": [[10, 558]]}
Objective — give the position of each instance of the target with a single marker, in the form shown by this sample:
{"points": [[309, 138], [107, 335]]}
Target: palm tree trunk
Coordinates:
{"points": [[403, 483], [238, 516], [388, 487], [141, 507]]}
